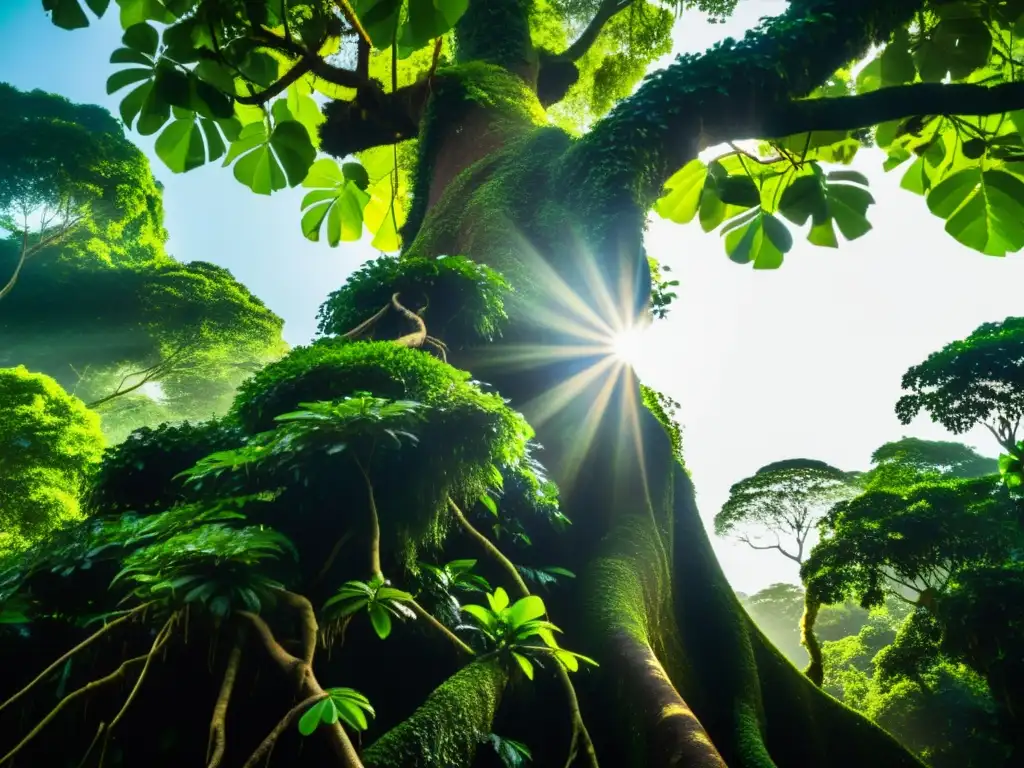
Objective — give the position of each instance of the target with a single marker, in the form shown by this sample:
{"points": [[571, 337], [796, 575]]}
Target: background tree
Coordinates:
{"points": [[99, 305], [50, 443], [978, 380], [911, 460], [562, 219], [783, 500]]}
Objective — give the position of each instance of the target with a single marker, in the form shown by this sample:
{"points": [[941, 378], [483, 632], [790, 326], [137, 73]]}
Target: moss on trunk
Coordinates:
{"points": [[446, 730]]}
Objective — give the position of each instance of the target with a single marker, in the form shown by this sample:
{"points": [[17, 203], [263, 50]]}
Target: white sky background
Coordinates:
{"points": [[804, 361]]}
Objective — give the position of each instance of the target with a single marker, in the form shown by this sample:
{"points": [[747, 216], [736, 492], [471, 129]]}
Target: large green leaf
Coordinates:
{"points": [[682, 198], [896, 62], [984, 210], [268, 161], [313, 717], [137, 11], [180, 145], [68, 14], [839, 197], [422, 21], [337, 199], [760, 238], [956, 46], [141, 37]]}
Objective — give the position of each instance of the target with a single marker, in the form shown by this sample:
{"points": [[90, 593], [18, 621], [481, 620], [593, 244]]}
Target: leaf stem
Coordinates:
{"points": [[420, 611]]}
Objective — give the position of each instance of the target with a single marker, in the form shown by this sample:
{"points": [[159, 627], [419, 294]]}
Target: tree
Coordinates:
{"points": [[911, 461], [977, 380], [786, 500], [562, 219], [50, 445], [129, 316], [69, 180]]}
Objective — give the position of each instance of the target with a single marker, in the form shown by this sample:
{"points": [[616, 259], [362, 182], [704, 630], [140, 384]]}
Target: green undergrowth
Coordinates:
{"points": [[447, 729]]}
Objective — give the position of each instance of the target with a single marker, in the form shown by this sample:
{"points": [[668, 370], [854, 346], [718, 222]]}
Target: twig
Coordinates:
{"points": [[335, 551], [218, 735], [158, 642], [363, 326], [268, 743], [492, 550], [81, 646], [88, 688]]}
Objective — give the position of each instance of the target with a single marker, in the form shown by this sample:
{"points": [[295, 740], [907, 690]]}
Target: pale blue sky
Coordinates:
{"points": [[803, 361]]}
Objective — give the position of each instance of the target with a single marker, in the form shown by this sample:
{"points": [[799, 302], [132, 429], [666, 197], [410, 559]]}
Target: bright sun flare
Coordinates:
{"points": [[628, 346]]}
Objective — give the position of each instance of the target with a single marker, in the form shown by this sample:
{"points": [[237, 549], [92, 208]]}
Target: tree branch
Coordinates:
{"points": [[268, 743], [727, 93], [845, 113], [608, 9], [218, 734]]}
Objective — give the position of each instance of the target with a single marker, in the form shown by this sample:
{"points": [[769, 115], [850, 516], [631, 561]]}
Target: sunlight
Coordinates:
{"points": [[629, 346]]}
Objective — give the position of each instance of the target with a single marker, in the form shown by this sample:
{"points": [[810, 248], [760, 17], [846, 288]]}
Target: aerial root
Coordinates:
{"points": [[158, 643], [417, 337], [580, 735], [81, 646], [420, 611], [415, 340], [268, 743], [301, 669], [366, 325], [218, 734], [815, 670]]}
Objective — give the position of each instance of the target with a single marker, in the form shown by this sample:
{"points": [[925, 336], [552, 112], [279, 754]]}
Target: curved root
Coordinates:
{"points": [[218, 734]]}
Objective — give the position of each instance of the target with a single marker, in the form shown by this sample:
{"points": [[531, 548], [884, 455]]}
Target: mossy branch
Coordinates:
{"points": [[218, 732], [80, 647], [580, 735], [816, 669], [698, 101]]}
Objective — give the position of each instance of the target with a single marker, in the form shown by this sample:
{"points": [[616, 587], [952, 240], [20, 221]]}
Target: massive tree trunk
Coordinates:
{"points": [[686, 679]]}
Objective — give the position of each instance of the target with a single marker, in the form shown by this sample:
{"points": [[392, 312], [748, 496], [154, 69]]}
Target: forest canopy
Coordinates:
{"points": [[459, 528], [94, 300]]}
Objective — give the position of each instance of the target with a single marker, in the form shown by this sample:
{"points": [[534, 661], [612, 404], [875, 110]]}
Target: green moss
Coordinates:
{"points": [[460, 301], [446, 730], [664, 409], [512, 107], [497, 31], [464, 433]]}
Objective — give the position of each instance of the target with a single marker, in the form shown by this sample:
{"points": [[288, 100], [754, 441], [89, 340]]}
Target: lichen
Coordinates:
{"points": [[446, 730]]}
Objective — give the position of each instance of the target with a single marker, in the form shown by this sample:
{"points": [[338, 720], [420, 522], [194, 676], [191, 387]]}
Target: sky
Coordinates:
{"points": [[804, 361]]}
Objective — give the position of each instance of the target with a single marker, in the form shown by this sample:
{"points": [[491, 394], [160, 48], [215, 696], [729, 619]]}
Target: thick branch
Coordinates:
{"points": [[372, 119], [846, 113], [725, 93], [608, 9]]}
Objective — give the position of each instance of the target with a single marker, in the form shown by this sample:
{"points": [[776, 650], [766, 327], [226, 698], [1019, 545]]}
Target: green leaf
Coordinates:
{"points": [[66, 14], [740, 191], [488, 502], [137, 11], [261, 68], [380, 20], [351, 714], [558, 571], [356, 173], [269, 164], [209, 101], [498, 600], [381, 620], [524, 664], [337, 200], [217, 75], [312, 718], [128, 56], [683, 193], [181, 147], [897, 63], [153, 111], [125, 77], [984, 210], [487, 619], [763, 240], [974, 148], [428, 19], [523, 610], [142, 37]]}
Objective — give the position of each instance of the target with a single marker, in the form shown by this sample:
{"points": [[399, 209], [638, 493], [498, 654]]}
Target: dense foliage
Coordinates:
{"points": [[49, 445], [129, 315], [350, 462]]}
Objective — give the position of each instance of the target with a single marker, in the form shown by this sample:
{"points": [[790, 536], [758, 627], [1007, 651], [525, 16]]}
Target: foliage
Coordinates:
{"points": [[662, 294], [783, 499], [140, 473], [911, 460], [344, 704], [909, 542], [50, 444], [461, 302], [72, 161], [977, 380], [509, 627], [380, 601], [664, 409], [513, 754]]}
